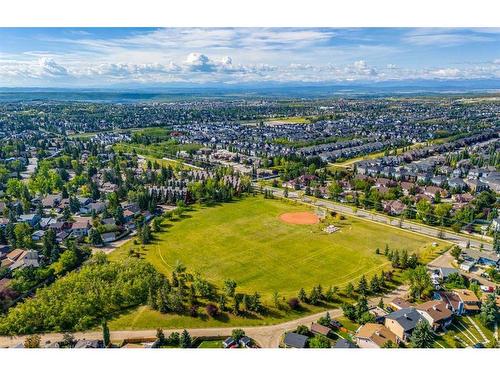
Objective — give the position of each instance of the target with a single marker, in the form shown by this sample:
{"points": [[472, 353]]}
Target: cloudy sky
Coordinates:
{"points": [[71, 57]]}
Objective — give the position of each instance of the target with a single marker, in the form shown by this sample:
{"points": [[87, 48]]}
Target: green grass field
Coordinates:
{"points": [[246, 241], [211, 344]]}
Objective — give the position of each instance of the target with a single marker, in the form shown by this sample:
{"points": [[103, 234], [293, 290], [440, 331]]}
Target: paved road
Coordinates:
{"points": [[447, 260], [265, 336], [384, 219]]}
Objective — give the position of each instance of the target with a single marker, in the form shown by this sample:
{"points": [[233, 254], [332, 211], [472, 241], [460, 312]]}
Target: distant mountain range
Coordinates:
{"points": [[163, 92]]}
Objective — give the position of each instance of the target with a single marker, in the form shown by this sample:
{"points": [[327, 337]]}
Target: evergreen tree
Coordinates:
{"points": [[422, 336], [160, 336], [302, 295], [185, 340], [349, 290], [489, 311], [374, 284], [362, 285], [395, 259]]}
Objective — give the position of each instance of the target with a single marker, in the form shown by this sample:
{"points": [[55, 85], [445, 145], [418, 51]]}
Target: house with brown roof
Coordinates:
{"points": [[431, 191], [407, 187], [320, 329], [462, 198], [80, 228], [437, 313], [399, 303], [460, 301], [373, 335], [471, 304], [394, 207], [51, 201]]}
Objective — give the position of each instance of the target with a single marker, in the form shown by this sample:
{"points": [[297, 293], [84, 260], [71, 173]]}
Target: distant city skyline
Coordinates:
{"points": [[108, 57]]}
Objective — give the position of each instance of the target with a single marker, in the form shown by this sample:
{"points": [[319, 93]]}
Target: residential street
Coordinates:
{"points": [[446, 260]]}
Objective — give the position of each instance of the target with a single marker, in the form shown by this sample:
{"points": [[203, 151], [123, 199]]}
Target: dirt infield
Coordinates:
{"points": [[299, 218]]}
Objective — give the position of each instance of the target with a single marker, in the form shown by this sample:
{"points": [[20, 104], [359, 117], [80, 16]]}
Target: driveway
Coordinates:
{"points": [[447, 261]]}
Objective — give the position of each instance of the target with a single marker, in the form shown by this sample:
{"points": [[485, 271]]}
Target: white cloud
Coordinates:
{"points": [[445, 37], [446, 73]]}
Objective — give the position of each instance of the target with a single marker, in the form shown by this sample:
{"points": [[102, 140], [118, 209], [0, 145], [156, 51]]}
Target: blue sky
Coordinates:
{"points": [[104, 57]]}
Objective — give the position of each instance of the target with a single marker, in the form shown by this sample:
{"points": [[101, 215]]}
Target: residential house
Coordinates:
{"points": [[476, 185], [51, 201], [344, 344], [483, 258], [467, 265], [437, 314], [457, 184], [320, 329], [45, 222], [97, 207], [294, 340], [62, 235], [29, 258], [394, 207], [80, 228], [471, 304], [108, 237], [431, 191], [399, 303], [444, 272], [373, 335], [460, 302], [462, 198], [378, 313], [31, 219], [128, 215], [403, 322], [438, 180], [37, 235], [84, 201]]}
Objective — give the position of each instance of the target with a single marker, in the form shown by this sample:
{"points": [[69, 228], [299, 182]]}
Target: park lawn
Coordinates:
{"points": [[157, 150], [288, 120], [246, 241], [144, 317], [211, 344]]}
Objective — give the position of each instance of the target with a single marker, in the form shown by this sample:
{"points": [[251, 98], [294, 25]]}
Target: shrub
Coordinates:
{"points": [[303, 330], [212, 310], [294, 303], [193, 311]]}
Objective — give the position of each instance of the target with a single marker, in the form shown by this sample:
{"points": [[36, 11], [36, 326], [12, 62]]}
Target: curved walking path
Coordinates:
{"points": [[265, 336]]}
